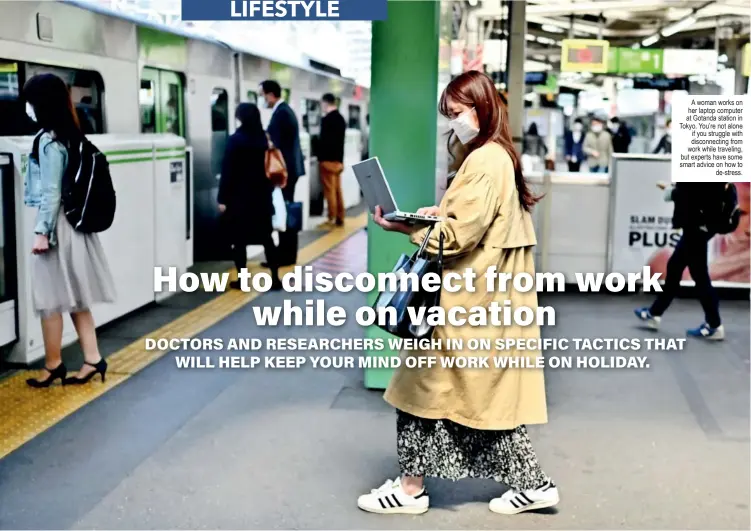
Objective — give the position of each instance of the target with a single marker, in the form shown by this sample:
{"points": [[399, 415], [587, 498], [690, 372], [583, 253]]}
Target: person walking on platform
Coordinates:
{"points": [[464, 423], [598, 146], [69, 270], [574, 146], [284, 131], [331, 159], [245, 193], [693, 204]]}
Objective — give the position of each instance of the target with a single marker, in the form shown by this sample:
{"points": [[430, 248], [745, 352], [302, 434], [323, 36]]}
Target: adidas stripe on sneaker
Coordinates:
{"points": [[390, 498], [515, 502]]}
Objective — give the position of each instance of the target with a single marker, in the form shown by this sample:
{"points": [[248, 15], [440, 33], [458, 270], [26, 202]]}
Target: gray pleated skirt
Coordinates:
{"points": [[72, 276]]}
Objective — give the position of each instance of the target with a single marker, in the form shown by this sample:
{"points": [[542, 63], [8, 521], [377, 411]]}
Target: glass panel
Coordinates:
{"points": [[354, 117], [147, 102], [3, 252], [219, 128], [172, 110], [85, 92], [252, 97], [13, 119]]}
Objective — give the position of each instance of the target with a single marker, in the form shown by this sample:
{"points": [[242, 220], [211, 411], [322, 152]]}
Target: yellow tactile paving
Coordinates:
{"points": [[27, 412]]}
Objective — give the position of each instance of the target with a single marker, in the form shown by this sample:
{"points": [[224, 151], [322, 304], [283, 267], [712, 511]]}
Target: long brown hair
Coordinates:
{"points": [[50, 98], [475, 89]]}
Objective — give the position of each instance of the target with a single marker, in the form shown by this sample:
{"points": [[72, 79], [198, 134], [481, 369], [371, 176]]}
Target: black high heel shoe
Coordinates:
{"points": [[100, 367], [58, 372]]}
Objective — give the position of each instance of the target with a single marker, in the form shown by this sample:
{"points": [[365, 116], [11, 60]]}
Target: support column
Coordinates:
{"points": [[515, 68], [403, 130]]}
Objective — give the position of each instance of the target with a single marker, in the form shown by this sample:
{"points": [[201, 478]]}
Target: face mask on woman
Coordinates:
{"points": [[464, 128], [30, 112], [596, 128], [578, 128]]}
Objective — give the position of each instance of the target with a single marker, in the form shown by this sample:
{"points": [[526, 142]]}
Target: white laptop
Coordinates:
{"points": [[376, 191]]}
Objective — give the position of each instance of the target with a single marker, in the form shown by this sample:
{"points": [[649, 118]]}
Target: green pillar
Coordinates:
{"points": [[403, 129]]}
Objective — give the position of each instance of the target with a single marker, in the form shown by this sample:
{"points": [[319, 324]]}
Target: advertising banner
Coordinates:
{"points": [[641, 231]]}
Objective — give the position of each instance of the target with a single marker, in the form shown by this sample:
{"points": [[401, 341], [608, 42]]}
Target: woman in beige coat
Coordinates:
{"points": [[459, 423]]}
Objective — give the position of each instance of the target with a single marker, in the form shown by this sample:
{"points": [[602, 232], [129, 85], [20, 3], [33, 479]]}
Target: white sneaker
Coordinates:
{"points": [[389, 498], [515, 502]]}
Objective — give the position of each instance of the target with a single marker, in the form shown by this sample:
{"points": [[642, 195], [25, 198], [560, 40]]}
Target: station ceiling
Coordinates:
{"points": [[625, 23]]}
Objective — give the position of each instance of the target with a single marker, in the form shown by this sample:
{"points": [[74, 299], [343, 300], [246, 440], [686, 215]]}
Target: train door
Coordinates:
{"points": [[312, 124], [162, 105], [8, 284]]}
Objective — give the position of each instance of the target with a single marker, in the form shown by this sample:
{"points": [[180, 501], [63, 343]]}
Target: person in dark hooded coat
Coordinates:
{"points": [[245, 192]]}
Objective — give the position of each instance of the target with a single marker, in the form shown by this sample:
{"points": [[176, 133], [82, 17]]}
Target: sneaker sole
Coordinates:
{"points": [[394, 510], [532, 507]]}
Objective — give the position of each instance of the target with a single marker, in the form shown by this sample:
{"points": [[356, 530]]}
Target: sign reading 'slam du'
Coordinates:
{"points": [[284, 9]]}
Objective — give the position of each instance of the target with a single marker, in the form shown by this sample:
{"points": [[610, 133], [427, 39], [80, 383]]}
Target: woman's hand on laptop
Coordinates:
{"points": [[429, 211], [391, 226]]}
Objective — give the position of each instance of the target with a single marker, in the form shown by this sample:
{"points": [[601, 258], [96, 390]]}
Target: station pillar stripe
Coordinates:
{"points": [[403, 122]]}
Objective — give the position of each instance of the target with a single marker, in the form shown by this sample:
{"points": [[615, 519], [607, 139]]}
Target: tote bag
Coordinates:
{"points": [[419, 264], [279, 219]]}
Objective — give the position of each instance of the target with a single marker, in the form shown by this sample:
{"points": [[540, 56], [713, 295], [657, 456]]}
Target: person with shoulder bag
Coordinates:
{"points": [[245, 193], [69, 270], [701, 210], [455, 423]]}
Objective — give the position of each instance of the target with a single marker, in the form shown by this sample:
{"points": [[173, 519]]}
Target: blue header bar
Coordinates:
{"points": [[284, 9]]}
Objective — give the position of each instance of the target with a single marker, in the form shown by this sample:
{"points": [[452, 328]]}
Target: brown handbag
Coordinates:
{"points": [[276, 169]]}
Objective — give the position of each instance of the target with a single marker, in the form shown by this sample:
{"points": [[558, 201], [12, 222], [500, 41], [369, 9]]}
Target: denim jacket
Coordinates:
{"points": [[42, 185]]}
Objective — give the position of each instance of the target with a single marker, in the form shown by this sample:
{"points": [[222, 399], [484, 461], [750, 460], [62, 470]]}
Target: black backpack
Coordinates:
{"points": [[88, 195], [728, 215]]}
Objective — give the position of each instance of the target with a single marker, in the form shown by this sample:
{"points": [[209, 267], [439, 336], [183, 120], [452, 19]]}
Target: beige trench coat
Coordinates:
{"points": [[485, 227]]}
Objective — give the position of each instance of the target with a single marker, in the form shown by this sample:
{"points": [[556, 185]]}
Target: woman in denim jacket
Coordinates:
{"points": [[69, 272]]}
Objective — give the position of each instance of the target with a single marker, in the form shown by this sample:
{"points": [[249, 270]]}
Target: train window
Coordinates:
{"points": [[219, 128], [354, 117], [147, 103], [161, 101], [252, 97], [86, 91], [13, 119]]}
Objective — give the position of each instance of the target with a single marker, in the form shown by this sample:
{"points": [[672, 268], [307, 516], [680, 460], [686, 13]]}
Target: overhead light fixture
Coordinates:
{"points": [[530, 37], [546, 40], [552, 29], [679, 26], [473, 3], [636, 46], [649, 41]]}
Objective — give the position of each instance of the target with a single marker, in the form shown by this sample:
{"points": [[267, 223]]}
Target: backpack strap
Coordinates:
{"points": [[35, 145]]}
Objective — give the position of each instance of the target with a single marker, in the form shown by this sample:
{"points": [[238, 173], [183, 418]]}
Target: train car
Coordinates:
{"points": [[130, 76]]}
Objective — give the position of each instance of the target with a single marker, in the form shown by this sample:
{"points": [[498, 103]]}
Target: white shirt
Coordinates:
{"points": [[276, 106]]}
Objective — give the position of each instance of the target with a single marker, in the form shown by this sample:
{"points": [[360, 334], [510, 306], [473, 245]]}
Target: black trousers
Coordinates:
{"points": [[288, 241], [240, 256], [691, 251], [574, 166]]}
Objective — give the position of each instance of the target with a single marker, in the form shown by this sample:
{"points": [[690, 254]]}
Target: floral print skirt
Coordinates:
{"points": [[447, 450]]}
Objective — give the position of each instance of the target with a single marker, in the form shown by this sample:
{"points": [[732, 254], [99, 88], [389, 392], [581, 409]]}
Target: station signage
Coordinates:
{"points": [[663, 84], [642, 61], [689, 62], [584, 55]]}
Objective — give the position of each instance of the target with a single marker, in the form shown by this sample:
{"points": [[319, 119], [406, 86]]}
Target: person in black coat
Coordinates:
{"points": [[284, 132], [245, 193], [696, 206], [621, 135], [665, 145]]}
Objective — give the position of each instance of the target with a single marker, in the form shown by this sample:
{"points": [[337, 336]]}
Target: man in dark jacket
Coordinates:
{"points": [[621, 135], [696, 209], [331, 159], [284, 132]]}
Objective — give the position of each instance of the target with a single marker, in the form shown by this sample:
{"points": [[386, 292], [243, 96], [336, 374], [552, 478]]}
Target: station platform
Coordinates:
{"points": [[160, 448]]}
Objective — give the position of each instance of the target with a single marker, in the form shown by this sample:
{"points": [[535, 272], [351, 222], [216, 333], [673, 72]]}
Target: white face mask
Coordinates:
{"points": [[596, 128], [577, 127], [30, 112], [463, 127]]}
